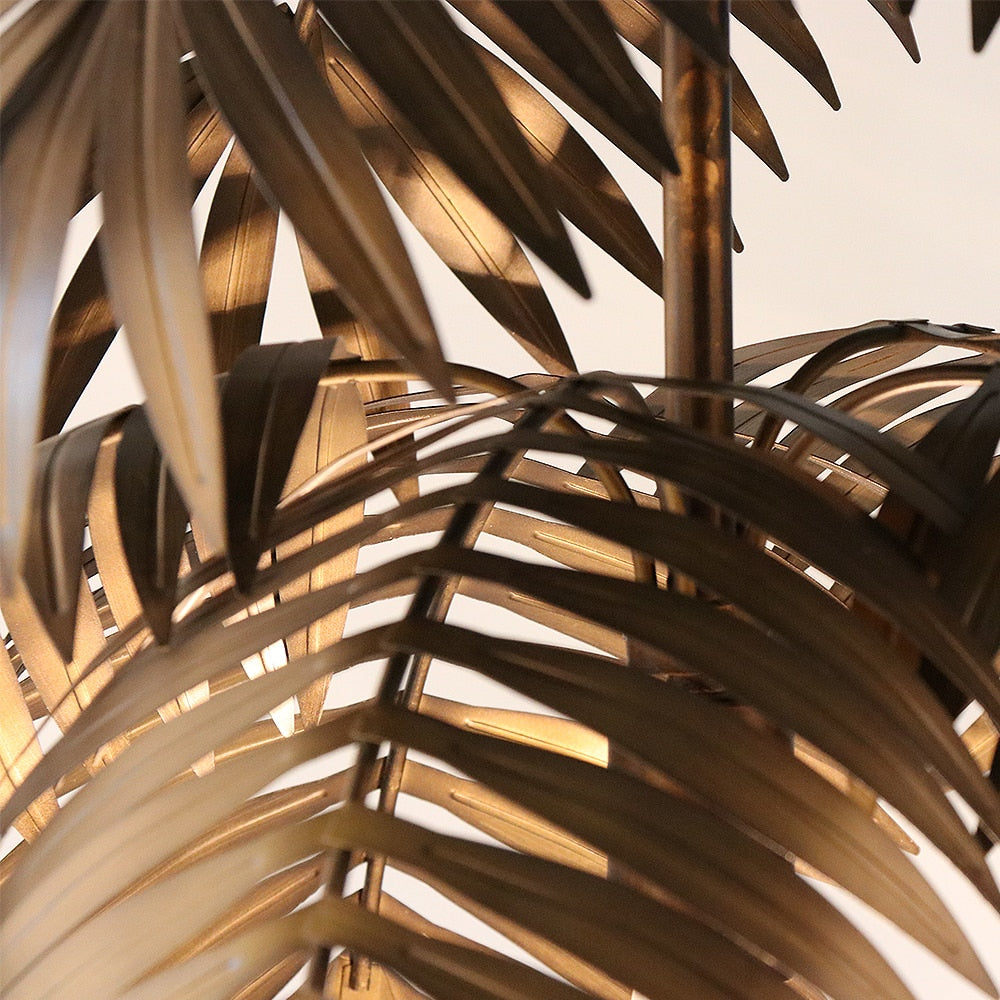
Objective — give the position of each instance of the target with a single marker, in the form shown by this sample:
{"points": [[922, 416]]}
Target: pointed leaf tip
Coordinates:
{"points": [[778, 25], [149, 254], [893, 15], [265, 403], [429, 69], [985, 15], [295, 133]]}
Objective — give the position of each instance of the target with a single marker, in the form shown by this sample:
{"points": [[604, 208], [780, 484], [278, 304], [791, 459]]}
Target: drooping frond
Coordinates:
{"points": [[246, 618], [474, 154], [690, 729]]}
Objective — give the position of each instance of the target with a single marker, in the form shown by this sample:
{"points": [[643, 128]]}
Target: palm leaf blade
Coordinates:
{"points": [[150, 260], [734, 650], [480, 251], [44, 164], [309, 160], [779, 26], [427, 68], [236, 258]]}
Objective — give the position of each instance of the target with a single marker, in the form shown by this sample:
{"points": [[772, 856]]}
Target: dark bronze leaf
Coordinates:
{"points": [[151, 264], [152, 518], [43, 170], [889, 885], [27, 52], [295, 134], [265, 403], [428, 69], [444, 970], [207, 138], [963, 443], [971, 568], [637, 22], [54, 557], [82, 332], [754, 360], [878, 579], [579, 596], [751, 127], [767, 666], [571, 968], [776, 23], [478, 249], [902, 702], [985, 14], [842, 357], [494, 814], [597, 916], [694, 20], [915, 475], [236, 258], [891, 12], [668, 839], [495, 23], [582, 187], [334, 428], [580, 40], [84, 326], [337, 322]]}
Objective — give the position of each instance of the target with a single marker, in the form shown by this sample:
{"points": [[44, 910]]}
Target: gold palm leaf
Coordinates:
{"points": [[417, 96], [693, 806], [713, 659]]}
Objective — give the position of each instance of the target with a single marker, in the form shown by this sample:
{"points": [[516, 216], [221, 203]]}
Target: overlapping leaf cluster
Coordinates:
{"points": [[93, 102], [736, 648], [651, 592]]}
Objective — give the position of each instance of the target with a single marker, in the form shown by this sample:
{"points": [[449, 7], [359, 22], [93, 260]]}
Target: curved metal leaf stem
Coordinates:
{"points": [[890, 386], [431, 601], [391, 370], [881, 335], [875, 336]]}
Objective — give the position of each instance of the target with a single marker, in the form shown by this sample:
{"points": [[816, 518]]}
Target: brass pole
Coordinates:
{"points": [[697, 237], [697, 288]]}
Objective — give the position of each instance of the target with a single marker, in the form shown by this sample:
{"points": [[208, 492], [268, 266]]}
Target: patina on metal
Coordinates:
{"points": [[697, 212]]}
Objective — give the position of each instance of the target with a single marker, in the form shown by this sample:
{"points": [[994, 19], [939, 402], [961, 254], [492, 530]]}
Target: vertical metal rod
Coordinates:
{"points": [[697, 237], [697, 278]]}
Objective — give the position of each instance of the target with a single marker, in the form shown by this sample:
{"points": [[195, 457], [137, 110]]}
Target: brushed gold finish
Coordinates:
{"points": [[698, 648]]}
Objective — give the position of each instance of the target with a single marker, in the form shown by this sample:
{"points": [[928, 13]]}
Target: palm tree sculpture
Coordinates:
{"points": [[740, 640]]}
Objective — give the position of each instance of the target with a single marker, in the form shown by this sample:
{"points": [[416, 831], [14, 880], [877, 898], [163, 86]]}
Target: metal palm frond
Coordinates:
{"points": [[716, 657], [692, 730], [96, 100]]}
